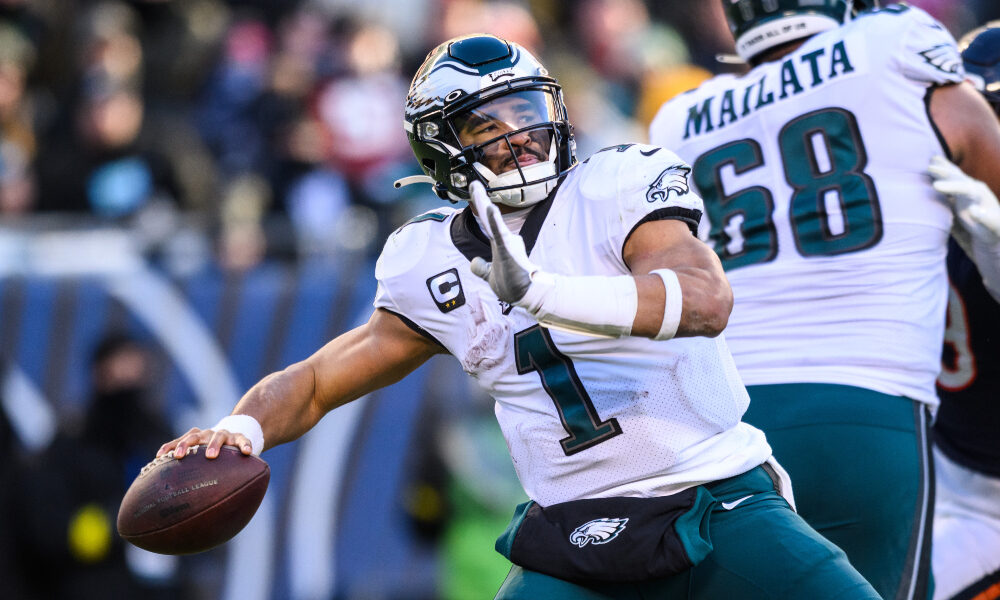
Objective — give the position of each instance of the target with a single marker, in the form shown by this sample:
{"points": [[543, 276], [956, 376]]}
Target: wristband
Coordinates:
{"points": [[592, 305], [245, 425], [673, 302]]}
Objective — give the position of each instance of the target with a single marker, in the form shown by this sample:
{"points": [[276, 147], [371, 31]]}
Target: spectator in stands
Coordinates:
{"points": [[107, 166], [18, 143], [63, 515], [104, 159]]}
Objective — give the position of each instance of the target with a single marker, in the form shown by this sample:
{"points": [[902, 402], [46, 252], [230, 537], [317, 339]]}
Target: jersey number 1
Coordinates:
{"points": [[535, 351]]}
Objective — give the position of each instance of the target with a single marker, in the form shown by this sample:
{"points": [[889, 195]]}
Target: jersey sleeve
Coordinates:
{"points": [[401, 252], [635, 183], [645, 183], [399, 290], [928, 53]]}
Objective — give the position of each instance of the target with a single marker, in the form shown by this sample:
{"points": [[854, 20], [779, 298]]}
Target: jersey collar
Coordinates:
{"points": [[472, 242]]}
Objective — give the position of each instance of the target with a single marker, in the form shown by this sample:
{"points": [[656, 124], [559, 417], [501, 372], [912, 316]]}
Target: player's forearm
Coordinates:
{"points": [[704, 296], [284, 404]]}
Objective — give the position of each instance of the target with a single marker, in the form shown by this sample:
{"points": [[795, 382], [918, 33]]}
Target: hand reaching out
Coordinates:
{"points": [[212, 439], [975, 206]]}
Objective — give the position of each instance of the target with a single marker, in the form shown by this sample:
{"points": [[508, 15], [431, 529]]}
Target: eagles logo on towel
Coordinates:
{"points": [[598, 531], [673, 178]]}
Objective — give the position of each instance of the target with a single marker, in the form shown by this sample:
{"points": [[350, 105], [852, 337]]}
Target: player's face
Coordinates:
{"points": [[492, 124]]}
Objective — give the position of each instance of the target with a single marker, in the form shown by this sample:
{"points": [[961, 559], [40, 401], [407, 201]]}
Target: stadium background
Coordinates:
{"points": [[211, 179]]}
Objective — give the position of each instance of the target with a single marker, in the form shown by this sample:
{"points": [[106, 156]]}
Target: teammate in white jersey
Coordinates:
{"points": [[596, 328], [813, 168], [966, 553]]}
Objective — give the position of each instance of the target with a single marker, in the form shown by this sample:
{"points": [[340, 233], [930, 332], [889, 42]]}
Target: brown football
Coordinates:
{"points": [[191, 505]]}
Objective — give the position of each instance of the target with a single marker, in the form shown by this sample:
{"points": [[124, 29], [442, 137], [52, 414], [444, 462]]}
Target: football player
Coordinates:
{"points": [[966, 553], [813, 170], [579, 298]]}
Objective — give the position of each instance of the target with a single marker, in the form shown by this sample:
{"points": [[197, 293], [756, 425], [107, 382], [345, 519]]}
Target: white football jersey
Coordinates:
{"points": [[583, 417], [813, 168]]}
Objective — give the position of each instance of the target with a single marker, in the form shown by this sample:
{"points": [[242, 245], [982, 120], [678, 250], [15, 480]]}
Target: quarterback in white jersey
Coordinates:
{"points": [[813, 168], [654, 417], [580, 298]]}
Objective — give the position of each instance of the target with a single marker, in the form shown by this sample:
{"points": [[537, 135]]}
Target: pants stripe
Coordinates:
{"points": [[914, 582]]}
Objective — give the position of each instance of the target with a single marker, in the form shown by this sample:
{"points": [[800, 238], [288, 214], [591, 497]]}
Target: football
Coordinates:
{"points": [[194, 504]]}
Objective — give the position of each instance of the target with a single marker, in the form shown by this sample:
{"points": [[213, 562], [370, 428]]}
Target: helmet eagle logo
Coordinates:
{"points": [[598, 531]]}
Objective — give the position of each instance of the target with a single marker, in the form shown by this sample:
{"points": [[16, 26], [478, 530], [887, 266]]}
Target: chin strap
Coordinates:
{"points": [[404, 181]]}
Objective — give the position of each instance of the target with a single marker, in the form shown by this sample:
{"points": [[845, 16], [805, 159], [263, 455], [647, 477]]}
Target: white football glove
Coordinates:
{"points": [[603, 306], [973, 202], [509, 275], [978, 214]]}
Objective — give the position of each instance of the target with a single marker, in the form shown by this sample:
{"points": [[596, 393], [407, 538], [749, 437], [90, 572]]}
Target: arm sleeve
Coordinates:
{"points": [[397, 291]]}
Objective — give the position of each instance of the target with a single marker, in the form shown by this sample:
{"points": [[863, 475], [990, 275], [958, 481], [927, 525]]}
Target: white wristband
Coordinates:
{"points": [[592, 305], [245, 425], [672, 304]]}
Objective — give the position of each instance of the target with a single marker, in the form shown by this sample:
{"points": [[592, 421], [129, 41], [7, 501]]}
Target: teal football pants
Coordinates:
{"points": [[761, 549], [862, 475]]}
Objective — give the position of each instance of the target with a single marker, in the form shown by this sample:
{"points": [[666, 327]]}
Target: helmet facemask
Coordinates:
{"points": [[511, 142]]}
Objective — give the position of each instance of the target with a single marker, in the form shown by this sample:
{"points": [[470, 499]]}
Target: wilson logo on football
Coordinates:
{"points": [[598, 531], [673, 178]]}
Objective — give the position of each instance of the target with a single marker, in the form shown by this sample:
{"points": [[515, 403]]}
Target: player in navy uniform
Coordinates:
{"points": [[966, 553], [577, 295]]}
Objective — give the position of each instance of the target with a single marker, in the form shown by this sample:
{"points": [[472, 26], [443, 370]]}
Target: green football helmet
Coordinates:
{"points": [[759, 25], [482, 108]]}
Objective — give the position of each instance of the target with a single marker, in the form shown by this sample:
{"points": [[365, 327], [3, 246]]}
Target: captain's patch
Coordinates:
{"points": [[446, 290]]}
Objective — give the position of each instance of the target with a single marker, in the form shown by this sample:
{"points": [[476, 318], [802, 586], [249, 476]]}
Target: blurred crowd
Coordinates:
{"points": [[232, 132], [274, 126]]}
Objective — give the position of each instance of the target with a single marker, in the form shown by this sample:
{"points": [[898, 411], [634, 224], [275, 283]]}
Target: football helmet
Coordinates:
{"points": [[482, 108], [981, 55], [759, 25]]}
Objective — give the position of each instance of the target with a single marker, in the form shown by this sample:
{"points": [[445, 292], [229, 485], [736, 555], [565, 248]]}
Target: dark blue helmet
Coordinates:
{"points": [[981, 54]]}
